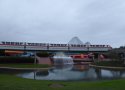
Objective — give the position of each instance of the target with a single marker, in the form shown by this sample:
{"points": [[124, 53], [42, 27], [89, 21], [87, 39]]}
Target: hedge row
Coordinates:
{"points": [[42, 54], [16, 60], [111, 63]]}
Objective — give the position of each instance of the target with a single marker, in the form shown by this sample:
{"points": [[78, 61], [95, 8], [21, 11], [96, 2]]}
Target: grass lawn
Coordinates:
{"points": [[110, 63], [10, 82], [25, 65]]}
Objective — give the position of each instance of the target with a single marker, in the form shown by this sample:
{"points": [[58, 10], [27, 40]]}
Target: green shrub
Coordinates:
{"points": [[42, 54], [2, 52], [10, 59], [110, 63]]}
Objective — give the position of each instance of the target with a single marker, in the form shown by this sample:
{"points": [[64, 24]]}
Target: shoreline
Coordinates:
{"points": [[106, 67], [23, 68], [90, 65]]}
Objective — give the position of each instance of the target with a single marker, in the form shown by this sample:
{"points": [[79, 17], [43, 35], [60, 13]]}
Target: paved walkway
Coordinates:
{"points": [[42, 60]]}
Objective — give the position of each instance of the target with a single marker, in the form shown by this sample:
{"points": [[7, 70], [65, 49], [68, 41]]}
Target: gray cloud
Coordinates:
{"points": [[97, 21]]}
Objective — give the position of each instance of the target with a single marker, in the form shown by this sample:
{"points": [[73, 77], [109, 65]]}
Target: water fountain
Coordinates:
{"points": [[61, 59]]}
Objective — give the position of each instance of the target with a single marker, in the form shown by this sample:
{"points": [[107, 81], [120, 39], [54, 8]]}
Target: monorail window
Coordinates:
{"points": [[72, 45], [3, 43], [66, 45], [54, 45], [12, 43], [29, 44], [85, 45], [40, 44], [75, 45], [57, 45], [8, 43], [36, 44], [78, 45], [18, 43], [82, 45], [91, 45], [97, 45], [108, 46], [51, 45], [33, 44], [63, 45], [44, 44]]}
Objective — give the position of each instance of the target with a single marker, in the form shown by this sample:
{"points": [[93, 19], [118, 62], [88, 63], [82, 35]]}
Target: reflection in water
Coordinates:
{"points": [[109, 74], [70, 72], [42, 73]]}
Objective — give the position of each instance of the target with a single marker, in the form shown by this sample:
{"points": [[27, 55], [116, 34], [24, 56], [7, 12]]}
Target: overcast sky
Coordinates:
{"points": [[57, 21]]}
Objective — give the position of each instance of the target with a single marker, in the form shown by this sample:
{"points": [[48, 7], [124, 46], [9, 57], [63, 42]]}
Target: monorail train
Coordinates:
{"points": [[48, 46]]}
